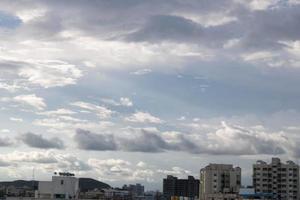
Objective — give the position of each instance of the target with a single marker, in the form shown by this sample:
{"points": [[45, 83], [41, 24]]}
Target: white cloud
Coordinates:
{"points": [[262, 55], [144, 117], [142, 72], [101, 111], [60, 111], [31, 100], [10, 87], [125, 101], [141, 164], [50, 73], [176, 171], [16, 119]]}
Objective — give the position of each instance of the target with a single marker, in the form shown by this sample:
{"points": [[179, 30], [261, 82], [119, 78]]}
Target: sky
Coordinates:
{"points": [[129, 91]]}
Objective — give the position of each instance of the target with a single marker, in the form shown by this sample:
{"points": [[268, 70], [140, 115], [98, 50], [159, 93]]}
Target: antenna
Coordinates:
{"points": [[33, 173], [33, 177]]}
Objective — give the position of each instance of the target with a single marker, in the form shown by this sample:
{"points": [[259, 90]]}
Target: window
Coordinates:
{"points": [[61, 182]]}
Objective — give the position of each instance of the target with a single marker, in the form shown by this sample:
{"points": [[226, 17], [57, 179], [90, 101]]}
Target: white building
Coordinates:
{"points": [[62, 186], [281, 180], [219, 181]]}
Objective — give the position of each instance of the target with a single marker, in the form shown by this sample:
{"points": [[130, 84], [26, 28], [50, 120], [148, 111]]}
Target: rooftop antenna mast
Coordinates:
{"points": [[33, 177]]}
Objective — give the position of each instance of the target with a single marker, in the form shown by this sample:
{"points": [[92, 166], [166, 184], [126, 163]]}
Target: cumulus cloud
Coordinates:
{"points": [[48, 161], [222, 140], [238, 45], [44, 73], [51, 73], [91, 141], [111, 167], [5, 141], [38, 141], [125, 101], [145, 142], [133, 140]]}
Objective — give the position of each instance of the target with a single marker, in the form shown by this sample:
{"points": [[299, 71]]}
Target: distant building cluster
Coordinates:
{"points": [[271, 181]]}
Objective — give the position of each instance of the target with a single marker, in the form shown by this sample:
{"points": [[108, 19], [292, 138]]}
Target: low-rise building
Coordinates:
{"points": [[62, 186]]}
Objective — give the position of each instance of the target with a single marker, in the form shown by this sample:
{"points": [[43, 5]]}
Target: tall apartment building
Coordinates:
{"points": [[219, 182], [277, 178], [174, 187]]}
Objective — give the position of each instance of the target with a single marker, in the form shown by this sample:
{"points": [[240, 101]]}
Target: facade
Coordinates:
{"points": [[174, 187], [62, 186], [135, 190], [219, 181], [281, 180]]}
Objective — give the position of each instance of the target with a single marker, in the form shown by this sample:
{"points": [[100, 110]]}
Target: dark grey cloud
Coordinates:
{"points": [[145, 141], [140, 141], [9, 65], [38, 141], [5, 142], [179, 29], [91, 141], [156, 21], [228, 140]]}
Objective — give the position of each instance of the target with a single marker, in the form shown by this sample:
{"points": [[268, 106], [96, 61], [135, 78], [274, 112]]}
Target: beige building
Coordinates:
{"points": [[220, 182], [277, 178]]}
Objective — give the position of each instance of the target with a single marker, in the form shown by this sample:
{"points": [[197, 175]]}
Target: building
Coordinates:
{"points": [[219, 181], [116, 194], [249, 194], [277, 178], [174, 187], [62, 186], [135, 190]]}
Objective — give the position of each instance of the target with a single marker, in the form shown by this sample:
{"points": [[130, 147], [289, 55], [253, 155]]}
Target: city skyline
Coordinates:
{"points": [[131, 91]]}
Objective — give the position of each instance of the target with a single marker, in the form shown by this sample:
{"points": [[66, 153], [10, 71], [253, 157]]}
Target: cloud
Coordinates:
{"points": [[176, 171], [31, 100], [101, 111], [10, 87], [48, 161], [237, 140], [51, 73], [224, 140], [58, 112], [132, 140], [4, 130], [145, 142], [142, 72], [5, 141], [111, 167], [16, 119], [143, 117], [38, 141], [124, 101], [91, 141], [43, 73]]}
